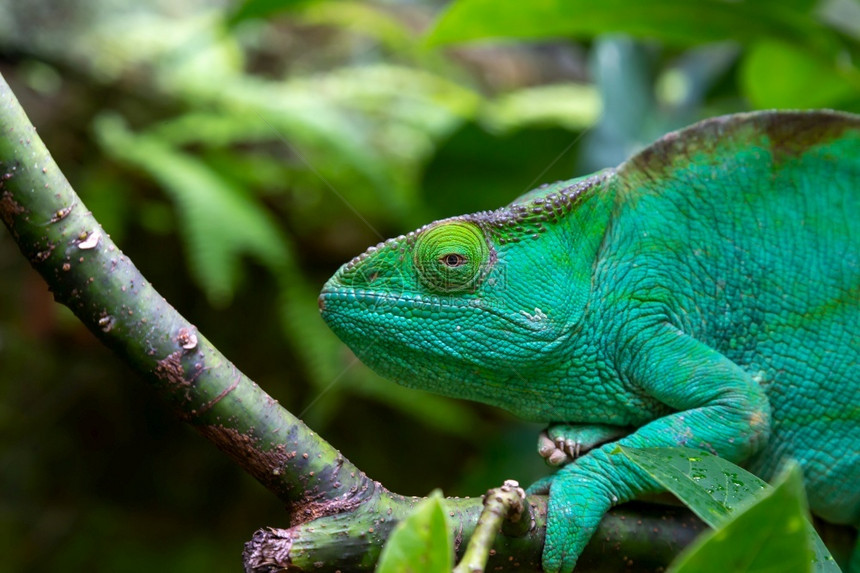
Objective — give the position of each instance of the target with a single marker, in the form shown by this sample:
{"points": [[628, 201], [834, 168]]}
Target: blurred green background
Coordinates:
{"points": [[240, 152]]}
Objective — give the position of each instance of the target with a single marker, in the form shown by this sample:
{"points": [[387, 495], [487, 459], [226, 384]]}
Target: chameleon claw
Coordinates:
{"points": [[559, 451]]}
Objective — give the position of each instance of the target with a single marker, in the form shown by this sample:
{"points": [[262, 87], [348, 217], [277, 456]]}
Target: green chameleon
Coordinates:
{"points": [[706, 293]]}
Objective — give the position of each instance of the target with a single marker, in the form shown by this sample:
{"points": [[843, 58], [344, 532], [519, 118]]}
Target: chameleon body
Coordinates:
{"points": [[705, 293]]}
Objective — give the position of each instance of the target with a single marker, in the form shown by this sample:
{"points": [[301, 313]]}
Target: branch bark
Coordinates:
{"points": [[339, 517]]}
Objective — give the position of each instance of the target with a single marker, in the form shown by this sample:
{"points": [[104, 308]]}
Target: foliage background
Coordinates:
{"points": [[239, 152]]}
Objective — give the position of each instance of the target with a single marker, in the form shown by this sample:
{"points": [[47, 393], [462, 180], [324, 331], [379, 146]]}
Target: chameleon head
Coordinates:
{"points": [[451, 305]]}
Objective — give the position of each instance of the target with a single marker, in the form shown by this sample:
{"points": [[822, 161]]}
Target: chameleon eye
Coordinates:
{"points": [[449, 256], [453, 260]]}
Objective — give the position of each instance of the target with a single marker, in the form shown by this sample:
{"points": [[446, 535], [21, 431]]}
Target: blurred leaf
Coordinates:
{"points": [[365, 18], [307, 125], [112, 210], [250, 9], [685, 84], [573, 106], [157, 217], [443, 414], [173, 51], [360, 131], [321, 351], [767, 537], [270, 175], [41, 77], [421, 543], [675, 22], [212, 129], [780, 75], [220, 223], [329, 133], [363, 132], [714, 489], [475, 170]]}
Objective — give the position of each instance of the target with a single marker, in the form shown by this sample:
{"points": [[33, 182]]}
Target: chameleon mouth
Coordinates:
{"points": [[330, 297], [335, 301]]}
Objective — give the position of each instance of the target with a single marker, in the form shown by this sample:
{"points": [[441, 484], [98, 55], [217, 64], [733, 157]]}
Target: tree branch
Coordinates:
{"points": [[88, 273], [339, 517], [635, 537]]}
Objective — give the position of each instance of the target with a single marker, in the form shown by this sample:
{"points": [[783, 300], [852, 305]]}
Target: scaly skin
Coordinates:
{"points": [[705, 293]]}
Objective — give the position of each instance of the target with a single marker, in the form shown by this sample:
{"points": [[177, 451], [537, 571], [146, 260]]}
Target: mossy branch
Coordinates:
{"points": [[339, 517]]}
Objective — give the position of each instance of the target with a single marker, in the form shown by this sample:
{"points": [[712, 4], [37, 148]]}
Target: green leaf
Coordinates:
{"points": [[710, 486], [780, 75], [421, 543], [767, 537], [677, 22], [714, 489]]}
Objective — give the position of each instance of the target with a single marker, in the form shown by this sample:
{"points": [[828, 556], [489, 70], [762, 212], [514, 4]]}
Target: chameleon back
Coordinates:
{"points": [[744, 232]]}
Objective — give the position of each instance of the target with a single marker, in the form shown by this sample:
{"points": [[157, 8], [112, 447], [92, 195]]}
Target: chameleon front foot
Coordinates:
{"points": [[561, 444]]}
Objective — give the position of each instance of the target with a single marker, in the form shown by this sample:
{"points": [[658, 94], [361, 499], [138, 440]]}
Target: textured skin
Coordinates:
{"points": [[705, 293]]}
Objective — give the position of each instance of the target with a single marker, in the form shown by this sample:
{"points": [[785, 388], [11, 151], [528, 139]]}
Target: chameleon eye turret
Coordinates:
{"points": [[450, 257]]}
